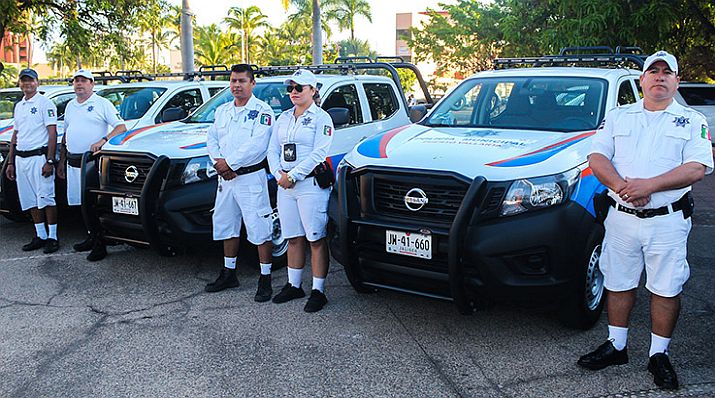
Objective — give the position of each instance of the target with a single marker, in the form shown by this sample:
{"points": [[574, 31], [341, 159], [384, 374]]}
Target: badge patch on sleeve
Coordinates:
{"points": [[50, 113], [265, 119], [327, 130], [119, 116], [705, 132]]}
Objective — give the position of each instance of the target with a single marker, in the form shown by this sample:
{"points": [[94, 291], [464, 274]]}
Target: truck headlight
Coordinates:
{"points": [[538, 193], [198, 169]]}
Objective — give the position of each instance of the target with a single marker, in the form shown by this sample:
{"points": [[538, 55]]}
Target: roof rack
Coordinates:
{"points": [[573, 56]]}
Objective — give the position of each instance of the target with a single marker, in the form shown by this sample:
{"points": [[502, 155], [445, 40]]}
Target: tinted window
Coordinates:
{"points": [[274, 94], [381, 99], [61, 102], [625, 94], [698, 95], [132, 102], [188, 100], [345, 97], [214, 90], [8, 99], [542, 103]]}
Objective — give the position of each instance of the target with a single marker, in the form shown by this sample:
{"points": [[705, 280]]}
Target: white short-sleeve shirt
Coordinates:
{"points": [[638, 149], [32, 116], [88, 122]]}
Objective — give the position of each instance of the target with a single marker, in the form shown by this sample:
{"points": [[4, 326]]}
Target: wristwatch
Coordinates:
{"points": [[290, 178], [51, 162]]}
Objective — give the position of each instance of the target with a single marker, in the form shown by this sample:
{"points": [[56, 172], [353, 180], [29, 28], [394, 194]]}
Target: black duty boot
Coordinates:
{"points": [[288, 293], [51, 245], [99, 251], [227, 279], [85, 245], [663, 373], [605, 355], [34, 244], [265, 290], [316, 301]]}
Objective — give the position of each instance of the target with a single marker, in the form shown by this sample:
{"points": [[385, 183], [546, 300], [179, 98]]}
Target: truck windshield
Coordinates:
{"points": [[132, 102], [540, 103], [8, 99], [274, 94]]}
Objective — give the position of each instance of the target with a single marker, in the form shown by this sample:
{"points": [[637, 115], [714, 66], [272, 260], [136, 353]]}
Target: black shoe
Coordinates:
{"points": [[316, 301], [51, 245], [604, 356], [264, 291], [34, 244], [288, 293], [663, 373], [99, 251], [85, 245], [226, 279]]}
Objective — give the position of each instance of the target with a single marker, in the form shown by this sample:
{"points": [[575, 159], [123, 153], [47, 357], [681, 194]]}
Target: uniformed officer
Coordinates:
{"points": [[31, 161], [237, 143], [300, 142], [88, 119], [648, 154]]}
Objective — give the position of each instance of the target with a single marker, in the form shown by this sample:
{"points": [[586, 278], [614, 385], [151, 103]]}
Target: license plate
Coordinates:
{"points": [[125, 205], [408, 244]]}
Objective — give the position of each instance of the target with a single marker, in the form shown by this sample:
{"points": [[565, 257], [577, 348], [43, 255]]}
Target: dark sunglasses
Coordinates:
{"points": [[297, 88]]}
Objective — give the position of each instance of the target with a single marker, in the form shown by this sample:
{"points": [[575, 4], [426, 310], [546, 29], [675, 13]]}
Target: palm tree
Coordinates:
{"points": [[245, 21], [343, 12], [356, 48], [308, 14], [153, 21], [211, 45]]}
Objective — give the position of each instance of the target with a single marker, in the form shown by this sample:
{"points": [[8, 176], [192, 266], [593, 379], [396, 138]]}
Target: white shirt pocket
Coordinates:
{"points": [[669, 153], [624, 146]]}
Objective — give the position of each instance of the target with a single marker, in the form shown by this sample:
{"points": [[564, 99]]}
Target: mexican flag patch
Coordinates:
{"points": [[50, 113], [327, 130], [705, 132], [265, 119]]}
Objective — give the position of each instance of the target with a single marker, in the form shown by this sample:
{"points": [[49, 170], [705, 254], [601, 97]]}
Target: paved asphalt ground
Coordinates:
{"points": [[139, 325]]}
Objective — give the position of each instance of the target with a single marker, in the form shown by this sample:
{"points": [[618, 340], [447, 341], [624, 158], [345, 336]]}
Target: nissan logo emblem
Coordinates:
{"points": [[131, 174], [415, 199]]}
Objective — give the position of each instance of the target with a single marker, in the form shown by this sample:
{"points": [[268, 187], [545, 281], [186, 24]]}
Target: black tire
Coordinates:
{"points": [[280, 244], [17, 217], [585, 303]]}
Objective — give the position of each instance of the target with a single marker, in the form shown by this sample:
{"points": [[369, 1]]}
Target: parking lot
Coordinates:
{"points": [[137, 324]]}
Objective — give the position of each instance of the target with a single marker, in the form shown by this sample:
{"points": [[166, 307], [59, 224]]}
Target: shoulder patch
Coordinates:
{"points": [[51, 112], [327, 130], [705, 132], [266, 119]]}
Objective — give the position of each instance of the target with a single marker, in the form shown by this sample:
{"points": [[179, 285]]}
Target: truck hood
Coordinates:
{"points": [[177, 140], [496, 154], [6, 129]]}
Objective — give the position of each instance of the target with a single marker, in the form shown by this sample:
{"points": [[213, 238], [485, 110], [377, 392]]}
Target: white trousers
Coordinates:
{"points": [[303, 210], [74, 185], [245, 196], [33, 189]]}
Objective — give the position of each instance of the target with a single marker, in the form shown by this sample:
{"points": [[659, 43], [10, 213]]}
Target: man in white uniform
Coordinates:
{"points": [[31, 161], [237, 143], [648, 154], [88, 119]]}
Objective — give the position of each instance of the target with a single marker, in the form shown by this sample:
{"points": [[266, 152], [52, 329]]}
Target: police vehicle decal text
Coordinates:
{"points": [[541, 154]]}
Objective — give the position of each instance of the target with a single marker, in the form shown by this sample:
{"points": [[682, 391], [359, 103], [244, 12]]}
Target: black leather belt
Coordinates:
{"points": [[263, 164], [74, 160], [32, 152], [649, 213]]}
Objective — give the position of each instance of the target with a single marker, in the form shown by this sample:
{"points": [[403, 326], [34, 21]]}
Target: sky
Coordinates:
{"points": [[380, 33]]}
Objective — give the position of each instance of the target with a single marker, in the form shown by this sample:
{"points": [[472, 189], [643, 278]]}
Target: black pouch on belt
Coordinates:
{"points": [[324, 175], [74, 160], [687, 205], [601, 204]]}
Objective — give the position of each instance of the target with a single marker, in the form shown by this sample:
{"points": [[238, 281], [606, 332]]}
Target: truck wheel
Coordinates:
{"points": [[16, 217], [585, 304], [355, 282], [280, 244]]}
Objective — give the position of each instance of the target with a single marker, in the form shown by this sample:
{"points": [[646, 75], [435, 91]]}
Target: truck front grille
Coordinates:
{"points": [[128, 173]]}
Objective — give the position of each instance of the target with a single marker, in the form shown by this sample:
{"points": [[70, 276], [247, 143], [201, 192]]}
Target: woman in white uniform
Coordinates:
{"points": [[299, 144]]}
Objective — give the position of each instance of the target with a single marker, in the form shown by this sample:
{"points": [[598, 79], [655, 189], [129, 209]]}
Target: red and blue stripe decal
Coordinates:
{"points": [[127, 135], [588, 186], [541, 154], [197, 145], [6, 129], [376, 146]]}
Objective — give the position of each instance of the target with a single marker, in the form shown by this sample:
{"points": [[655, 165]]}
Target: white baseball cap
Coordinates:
{"points": [[84, 73], [303, 77], [661, 56]]}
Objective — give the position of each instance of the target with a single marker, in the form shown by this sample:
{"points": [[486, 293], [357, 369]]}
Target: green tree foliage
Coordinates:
{"points": [[473, 34], [155, 22], [355, 48], [8, 78], [344, 12], [212, 46], [245, 21]]}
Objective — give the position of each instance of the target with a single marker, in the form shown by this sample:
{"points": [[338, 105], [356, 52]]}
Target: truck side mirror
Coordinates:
{"points": [[340, 116], [171, 114], [417, 112]]}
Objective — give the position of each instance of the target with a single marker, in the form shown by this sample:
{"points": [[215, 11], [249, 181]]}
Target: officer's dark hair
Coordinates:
{"points": [[243, 68]]}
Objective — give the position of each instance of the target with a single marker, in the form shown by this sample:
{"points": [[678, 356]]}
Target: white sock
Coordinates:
{"points": [[618, 336], [266, 269], [53, 231], [229, 262], [658, 344], [319, 284], [294, 276], [41, 231]]}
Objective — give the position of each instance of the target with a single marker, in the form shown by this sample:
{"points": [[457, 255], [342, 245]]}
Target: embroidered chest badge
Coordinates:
{"points": [[327, 130], [33, 110], [307, 121], [265, 119], [90, 108], [252, 114], [681, 121]]}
